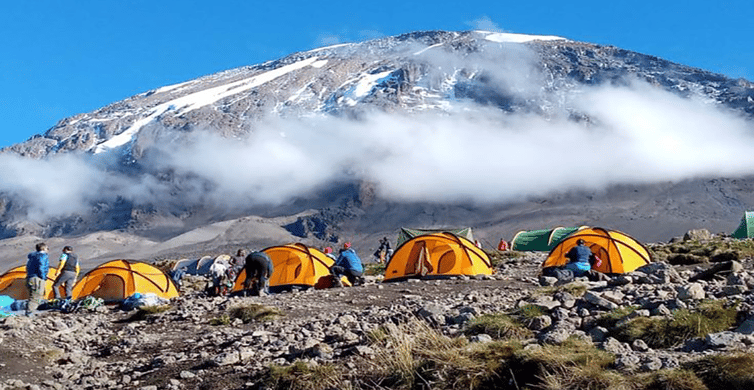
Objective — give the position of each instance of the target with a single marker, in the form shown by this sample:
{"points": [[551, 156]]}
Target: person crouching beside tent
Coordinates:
{"points": [[348, 265], [259, 268], [581, 260]]}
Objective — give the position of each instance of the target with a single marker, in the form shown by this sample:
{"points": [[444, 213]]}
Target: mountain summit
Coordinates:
{"points": [[495, 130]]}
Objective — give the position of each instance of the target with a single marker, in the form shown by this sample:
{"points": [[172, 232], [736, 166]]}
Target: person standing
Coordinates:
{"points": [[68, 272], [259, 268], [348, 264], [37, 266]]}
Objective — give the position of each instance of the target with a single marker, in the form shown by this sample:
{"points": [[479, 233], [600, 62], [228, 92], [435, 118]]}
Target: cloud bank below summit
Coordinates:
{"points": [[639, 134]]}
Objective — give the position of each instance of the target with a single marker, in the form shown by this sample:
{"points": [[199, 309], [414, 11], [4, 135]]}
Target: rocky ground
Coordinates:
{"points": [[200, 342]]}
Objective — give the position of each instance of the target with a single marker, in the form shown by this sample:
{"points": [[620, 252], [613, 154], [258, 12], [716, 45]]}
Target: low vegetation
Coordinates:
{"points": [[374, 269], [413, 355], [498, 326], [696, 252], [708, 317], [576, 289], [725, 372], [247, 313], [305, 376]]}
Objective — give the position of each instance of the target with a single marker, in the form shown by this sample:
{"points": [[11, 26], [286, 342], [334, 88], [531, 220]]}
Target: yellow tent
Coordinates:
{"points": [[295, 265], [619, 252], [119, 279], [437, 255], [13, 283]]}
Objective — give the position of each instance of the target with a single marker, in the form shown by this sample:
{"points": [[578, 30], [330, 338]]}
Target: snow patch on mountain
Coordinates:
{"points": [[203, 98], [518, 38], [363, 86]]}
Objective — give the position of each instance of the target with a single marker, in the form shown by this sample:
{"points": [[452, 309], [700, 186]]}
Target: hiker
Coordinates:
{"points": [[37, 266], [237, 262], [219, 272], [258, 266], [502, 246], [348, 264], [580, 258], [68, 272], [384, 252]]}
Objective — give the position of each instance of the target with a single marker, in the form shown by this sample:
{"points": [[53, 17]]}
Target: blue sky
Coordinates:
{"points": [[59, 58]]}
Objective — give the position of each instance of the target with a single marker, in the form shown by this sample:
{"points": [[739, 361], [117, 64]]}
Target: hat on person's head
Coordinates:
{"points": [[580, 241], [328, 250], [346, 245], [67, 248]]}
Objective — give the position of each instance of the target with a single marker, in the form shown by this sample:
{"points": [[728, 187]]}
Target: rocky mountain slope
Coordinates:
{"points": [[147, 165]]}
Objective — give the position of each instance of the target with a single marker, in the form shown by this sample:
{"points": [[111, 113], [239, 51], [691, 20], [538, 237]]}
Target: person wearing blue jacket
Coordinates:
{"points": [[37, 266], [580, 259], [348, 264]]}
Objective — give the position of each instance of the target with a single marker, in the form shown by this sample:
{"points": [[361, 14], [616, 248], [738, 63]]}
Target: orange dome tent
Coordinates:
{"points": [[295, 265], [13, 283], [119, 279], [437, 255], [619, 252]]}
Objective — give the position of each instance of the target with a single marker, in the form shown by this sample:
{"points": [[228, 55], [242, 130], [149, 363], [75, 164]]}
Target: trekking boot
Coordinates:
{"points": [[337, 282]]}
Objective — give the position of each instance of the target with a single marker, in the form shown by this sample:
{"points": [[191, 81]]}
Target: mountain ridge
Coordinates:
{"points": [[503, 79]]}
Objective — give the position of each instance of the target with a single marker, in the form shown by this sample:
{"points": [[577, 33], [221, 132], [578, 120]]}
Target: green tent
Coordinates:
{"points": [[406, 234], [746, 228], [540, 240]]}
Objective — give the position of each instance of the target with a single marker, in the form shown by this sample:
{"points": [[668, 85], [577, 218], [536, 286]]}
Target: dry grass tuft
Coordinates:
{"points": [[303, 376], [725, 372], [414, 355], [498, 326], [677, 379], [254, 313], [708, 317]]}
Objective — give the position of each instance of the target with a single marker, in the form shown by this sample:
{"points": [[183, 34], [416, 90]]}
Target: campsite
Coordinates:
{"points": [[672, 315]]}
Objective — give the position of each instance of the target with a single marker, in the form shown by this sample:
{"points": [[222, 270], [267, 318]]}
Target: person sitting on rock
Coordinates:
{"points": [[348, 264], [259, 268], [580, 259]]}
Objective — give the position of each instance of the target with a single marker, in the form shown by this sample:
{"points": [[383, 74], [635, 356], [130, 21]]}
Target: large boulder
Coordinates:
{"points": [[697, 235]]}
